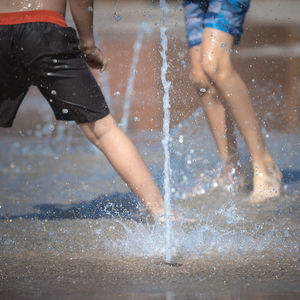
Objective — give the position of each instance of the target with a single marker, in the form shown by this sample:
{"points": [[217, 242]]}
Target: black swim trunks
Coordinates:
{"points": [[37, 48]]}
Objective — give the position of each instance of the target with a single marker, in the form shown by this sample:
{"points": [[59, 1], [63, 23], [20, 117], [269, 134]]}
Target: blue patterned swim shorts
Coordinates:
{"points": [[224, 15]]}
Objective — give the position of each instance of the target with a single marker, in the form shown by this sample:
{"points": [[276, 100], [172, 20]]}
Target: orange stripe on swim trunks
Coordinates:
{"points": [[32, 16]]}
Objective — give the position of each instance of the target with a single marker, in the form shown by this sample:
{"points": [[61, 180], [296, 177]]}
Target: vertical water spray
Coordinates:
{"points": [[166, 128], [143, 28]]}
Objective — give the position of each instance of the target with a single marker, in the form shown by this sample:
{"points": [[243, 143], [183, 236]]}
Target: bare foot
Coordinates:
{"points": [[266, 184], [160, 216], [161, 219], [176, 218], [198, 188], [156, 211], [229, 178]]}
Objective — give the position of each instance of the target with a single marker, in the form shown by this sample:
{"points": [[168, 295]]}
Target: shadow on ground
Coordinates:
{"points": [[115, 205], [290, 176]]}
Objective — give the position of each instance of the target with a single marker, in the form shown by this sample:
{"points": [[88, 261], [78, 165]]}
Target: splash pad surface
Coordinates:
{"points": [[70, 228], [63, 237]]}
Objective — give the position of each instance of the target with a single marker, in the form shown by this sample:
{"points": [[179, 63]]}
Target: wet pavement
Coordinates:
{"points": [[70, 229]]}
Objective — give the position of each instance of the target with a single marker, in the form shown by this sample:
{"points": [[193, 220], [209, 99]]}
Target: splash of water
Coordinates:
{"points": [[143, 28], [166, 129]]}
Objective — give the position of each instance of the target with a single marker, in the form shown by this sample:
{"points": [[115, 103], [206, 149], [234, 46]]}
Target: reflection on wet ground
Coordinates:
{"points": [[71, 229]]}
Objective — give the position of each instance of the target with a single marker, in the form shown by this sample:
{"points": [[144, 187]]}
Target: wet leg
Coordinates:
{"points": [[126, 160], [216, 62], [219, 120]]}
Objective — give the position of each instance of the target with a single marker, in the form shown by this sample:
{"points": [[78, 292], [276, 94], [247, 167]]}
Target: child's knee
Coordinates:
{"points": [[210, 67], [104, 125], [200, 79], [97, 129], [216, 70]]}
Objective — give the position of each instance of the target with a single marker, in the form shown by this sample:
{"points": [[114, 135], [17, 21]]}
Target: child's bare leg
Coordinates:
{"points": [[222, 128], [217, 66], [218, 117], [126, 160]]}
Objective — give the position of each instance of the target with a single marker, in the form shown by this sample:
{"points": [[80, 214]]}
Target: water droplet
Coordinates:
{"points": [[53, 92], [117, 17], [98, 231], [90, 9], [117, 93], [215, 184], [136, 119], [203, 90], [180, 139], [54, 60], [223, 45]]}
